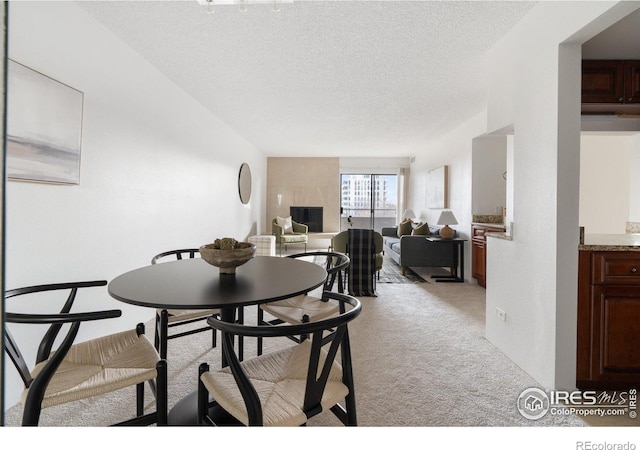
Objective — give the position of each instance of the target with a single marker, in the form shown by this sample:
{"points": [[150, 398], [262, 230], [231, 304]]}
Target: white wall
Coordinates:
{"points": [[372, 165], [605, 177], [455, 151], [508, 218], [158, 170], [528, 335], [489, 166], [535, 90]]}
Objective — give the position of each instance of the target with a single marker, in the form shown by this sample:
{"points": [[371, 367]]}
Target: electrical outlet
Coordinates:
{"points": [[501, 314]]}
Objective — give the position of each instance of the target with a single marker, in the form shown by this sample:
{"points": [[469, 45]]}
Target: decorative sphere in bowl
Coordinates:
{"points": [[228, 259]]}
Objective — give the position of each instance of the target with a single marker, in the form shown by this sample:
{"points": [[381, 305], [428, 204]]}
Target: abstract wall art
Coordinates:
{"points": [[44, 128], [436, 184]]}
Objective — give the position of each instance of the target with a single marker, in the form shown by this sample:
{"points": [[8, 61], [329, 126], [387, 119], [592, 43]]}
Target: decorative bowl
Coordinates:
{"points": [[228, 260]]}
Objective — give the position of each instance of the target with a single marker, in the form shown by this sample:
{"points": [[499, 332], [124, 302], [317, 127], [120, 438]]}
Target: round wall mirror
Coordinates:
{"points": [[244, 183]]}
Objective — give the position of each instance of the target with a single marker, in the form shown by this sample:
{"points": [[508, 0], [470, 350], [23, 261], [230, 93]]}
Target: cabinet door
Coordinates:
{"points": [[602, 81], [632, 82], [615, 339], [478, 263]]}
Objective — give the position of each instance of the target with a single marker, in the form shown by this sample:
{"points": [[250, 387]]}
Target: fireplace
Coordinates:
{"points": [[311, 216]]}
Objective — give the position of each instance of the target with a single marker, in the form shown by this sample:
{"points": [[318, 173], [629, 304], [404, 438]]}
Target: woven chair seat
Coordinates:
{"points": [[99, 366], [279, 379], [181, 315], [175, 318], [294, 310]]}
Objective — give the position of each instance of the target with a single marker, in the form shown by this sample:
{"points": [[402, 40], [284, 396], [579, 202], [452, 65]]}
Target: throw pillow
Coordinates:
{"points": [[422, 229], [285, 223], [405, 227]]}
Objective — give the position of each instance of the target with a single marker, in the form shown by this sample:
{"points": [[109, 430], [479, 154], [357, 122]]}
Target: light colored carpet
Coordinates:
{"points": [[420, 360]]}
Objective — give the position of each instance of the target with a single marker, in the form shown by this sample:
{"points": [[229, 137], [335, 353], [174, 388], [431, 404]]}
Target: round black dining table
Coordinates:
{"points": [[195, 284]]}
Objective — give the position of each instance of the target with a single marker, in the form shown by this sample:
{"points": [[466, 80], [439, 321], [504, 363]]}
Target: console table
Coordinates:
{"points": [[457, 247]]}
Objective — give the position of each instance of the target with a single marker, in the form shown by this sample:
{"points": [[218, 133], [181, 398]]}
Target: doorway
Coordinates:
{"points": [[368, 201]]}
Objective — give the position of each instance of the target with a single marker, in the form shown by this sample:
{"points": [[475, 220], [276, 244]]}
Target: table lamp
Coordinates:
{"points": [[409, 214], [447, 218]]}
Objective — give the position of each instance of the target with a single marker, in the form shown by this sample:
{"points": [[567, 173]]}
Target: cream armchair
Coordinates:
{"points": [[297, 235]]}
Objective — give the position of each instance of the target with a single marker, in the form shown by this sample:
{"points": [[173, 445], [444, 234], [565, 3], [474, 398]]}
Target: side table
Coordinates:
{"points": [[457, 247]]}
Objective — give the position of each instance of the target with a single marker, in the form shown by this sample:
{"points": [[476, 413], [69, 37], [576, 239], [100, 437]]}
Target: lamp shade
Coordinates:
{"points": [[447, 218], [408, 214]]}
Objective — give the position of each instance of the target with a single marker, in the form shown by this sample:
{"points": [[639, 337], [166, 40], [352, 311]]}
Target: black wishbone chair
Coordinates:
{"points": [[306, 307], [72, 372], [289, 386], [167, 319]]}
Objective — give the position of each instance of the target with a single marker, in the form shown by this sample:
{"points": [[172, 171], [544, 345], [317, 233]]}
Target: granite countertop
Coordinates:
{"points": [[504, 235], [489, 224], [500, 235], [611, 242], [493, 220]]}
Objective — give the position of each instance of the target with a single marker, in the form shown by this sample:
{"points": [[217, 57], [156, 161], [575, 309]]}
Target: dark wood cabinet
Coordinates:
{"points": [[602, 81], [632, 81], [608, 352], [479, 250], [479, 258], [610, 87]]}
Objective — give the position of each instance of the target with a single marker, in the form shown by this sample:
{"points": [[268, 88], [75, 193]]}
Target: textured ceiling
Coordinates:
{"points": [[338, 78]]}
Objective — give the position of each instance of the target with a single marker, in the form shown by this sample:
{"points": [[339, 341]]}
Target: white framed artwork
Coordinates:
{"points": [[436, 185], [44, 128]]}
